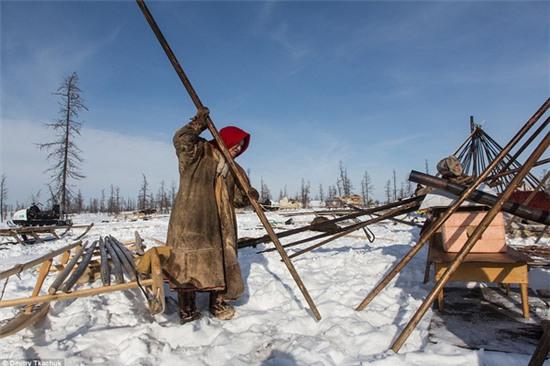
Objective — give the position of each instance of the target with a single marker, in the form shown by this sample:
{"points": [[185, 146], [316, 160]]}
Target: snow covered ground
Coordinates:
{"points": [[273, 325]]}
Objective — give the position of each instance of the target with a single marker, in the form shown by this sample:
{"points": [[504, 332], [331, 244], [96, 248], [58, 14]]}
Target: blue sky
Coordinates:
{"points": [[378, 85]]}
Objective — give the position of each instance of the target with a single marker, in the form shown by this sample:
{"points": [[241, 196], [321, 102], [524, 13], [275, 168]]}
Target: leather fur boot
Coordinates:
{"points": [[219, 308], [187, 306]]}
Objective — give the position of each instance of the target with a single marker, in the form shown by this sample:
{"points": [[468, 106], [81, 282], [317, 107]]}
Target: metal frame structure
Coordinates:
{"points": [[480, 149]]}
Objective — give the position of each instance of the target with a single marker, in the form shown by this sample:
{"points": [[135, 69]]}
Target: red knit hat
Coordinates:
{"points": [[232, 135]]}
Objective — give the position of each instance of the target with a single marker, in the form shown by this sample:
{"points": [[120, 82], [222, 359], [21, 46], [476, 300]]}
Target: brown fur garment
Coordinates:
{"points": [[202, 231]]}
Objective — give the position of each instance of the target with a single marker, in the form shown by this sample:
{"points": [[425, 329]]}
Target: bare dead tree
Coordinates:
{"points": [[113, 203], [387, 190], [162, 198], [130, 204], [118, 203], [53, 196], [35, 197], [3, 196], [409, 188], [111, 200], [366, 188], [332, 192], [321, 193], [78, 203], [102, 206], [93, 205], [426, 166], [265, 194], [343, 182], [304, 193], [394, 186], [63, 151], [143, 196]]}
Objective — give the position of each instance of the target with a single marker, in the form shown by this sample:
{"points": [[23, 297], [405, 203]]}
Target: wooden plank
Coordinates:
{"points": [[138, 244], [54, 234], [524, 288], [43, 272], [157, 304], [36, 237], [79, 271], [16, 236], [73, 295], [24, 319], [117, 266], [436, 255], [543, 347], [21, 267], [85, 231], [104, 261], [485, 272], [143, 264], [68, 268]]}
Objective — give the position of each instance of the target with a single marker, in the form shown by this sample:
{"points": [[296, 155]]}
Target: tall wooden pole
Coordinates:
{"points": [[473, 146], [439, 222], [525, 144], [474, 237], [240, 177]]}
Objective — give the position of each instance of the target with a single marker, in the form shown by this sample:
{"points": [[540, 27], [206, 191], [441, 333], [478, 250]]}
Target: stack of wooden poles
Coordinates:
{"points": [[105, 258]]}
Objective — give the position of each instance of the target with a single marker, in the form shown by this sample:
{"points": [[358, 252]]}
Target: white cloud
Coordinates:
{"points": [[110, 158]]}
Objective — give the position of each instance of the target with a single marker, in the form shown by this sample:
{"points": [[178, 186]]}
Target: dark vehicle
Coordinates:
{"points": [[34, 216]]}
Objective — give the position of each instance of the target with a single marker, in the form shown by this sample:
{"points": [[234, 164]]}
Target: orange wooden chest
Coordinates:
{"points": [[458, 228]]}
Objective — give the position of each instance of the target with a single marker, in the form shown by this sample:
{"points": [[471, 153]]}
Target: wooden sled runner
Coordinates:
{"points": [[24, 319], [80, 263], [39, 234]]}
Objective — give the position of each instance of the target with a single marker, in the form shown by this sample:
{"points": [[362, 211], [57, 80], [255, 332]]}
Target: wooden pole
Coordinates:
{"points": [[525, 144], [79, 271], [439, 222], [104, 263], [117, 266], [68, 268], [157, 304], [543, 347], [18, 268], [512, 171], [474, 237], [473, 147], [240, 177], [42, 273], [72, 295], [127, 263]]}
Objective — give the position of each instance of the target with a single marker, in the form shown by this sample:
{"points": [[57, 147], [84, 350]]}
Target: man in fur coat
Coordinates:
{"points": [[203, 229]]}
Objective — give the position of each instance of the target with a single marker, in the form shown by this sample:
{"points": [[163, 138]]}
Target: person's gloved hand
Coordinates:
{"points": [[202, 114]]}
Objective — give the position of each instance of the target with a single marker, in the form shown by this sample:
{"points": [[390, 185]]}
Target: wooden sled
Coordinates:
{"points": [[147, 277], [40, 234]]}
